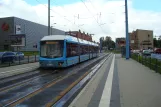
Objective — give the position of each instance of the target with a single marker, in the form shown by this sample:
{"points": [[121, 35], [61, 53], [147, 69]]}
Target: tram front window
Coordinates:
{"points": [[51, 49]]}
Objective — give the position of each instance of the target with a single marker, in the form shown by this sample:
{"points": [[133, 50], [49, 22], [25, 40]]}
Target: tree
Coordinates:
{"points": [[108, 42], [157, 43]]}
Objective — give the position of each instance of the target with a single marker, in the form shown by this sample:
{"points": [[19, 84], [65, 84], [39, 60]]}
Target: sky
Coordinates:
{"points": [[99, 17]]}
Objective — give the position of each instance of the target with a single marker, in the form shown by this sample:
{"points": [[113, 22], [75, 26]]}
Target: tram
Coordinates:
{"points": [[60, 51]]}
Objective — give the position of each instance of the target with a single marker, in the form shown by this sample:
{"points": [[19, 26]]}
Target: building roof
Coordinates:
{"points": [[13, 17], [143, 30]]}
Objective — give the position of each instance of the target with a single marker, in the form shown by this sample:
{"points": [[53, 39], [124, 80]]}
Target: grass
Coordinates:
{"points": [[152, 63], [26, 53], [113, 51], [30, 53]]}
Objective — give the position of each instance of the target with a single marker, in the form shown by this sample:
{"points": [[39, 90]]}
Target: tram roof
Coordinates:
{"points": [[68, 38]]}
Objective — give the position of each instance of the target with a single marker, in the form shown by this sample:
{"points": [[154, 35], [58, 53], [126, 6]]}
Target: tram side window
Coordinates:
{"points": [[72, 49], [87, 49], [90, 49], [84, 49], [94, 49]]}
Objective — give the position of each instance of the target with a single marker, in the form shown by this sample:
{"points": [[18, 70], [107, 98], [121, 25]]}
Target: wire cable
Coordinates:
{"points": [[93, 16], [59, 14]]}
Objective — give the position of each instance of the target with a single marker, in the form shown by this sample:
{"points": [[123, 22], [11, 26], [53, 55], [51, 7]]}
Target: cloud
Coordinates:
{"points": [[102, 18]]}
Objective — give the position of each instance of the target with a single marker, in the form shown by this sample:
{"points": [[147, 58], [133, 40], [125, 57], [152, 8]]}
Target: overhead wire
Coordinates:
{"points": [[86, 17], [94, 8], [59, 14], [93, 16]]}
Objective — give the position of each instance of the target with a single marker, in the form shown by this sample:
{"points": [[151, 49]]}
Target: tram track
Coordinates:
{"points": [[10, 84], [45, 85], [11, 78]]}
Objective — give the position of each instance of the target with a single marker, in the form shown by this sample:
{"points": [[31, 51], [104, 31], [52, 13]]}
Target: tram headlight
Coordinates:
{"points": [[60, 63]]}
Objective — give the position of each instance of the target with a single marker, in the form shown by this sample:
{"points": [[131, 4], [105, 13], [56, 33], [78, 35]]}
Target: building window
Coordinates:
{"points": [[148, 35]]}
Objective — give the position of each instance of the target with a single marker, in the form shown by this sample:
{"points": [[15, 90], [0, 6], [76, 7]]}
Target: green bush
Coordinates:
{"points": [[149, 62]]}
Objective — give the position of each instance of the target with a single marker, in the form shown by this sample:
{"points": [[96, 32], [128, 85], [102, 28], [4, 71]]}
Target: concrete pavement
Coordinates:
{"points": [[133, 85], [14, 70], [91, 94], [139, 86]]}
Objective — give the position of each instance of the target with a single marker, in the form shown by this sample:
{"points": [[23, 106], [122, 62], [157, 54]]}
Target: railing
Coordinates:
{"points": [[152, 63], [20, 60]]}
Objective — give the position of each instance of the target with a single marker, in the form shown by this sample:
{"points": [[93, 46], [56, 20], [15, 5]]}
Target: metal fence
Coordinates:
{"points": [[19, 61], [152, 63]]}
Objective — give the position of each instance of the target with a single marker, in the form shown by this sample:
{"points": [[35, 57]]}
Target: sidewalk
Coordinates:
{"points": [[18, 69], [133, 85], [139, 86], [91, 94]]}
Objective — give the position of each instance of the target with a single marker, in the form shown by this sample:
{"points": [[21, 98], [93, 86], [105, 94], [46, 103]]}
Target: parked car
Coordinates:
{"points": [[19, 55], [147, 52], [158, 51], [7, 57], [136, 51]]}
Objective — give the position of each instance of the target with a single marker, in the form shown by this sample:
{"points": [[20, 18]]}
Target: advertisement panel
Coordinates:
{"points": [[18, 29], [18, 40]]}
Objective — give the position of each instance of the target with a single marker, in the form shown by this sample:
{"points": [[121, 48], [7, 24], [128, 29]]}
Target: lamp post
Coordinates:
{"points": [[51, 30], [127, 34]]}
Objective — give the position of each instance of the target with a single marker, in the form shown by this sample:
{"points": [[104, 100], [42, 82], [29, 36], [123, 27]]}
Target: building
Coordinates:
{"points": [[16, 33], [120, 42], [141, 39], [80, 35]]}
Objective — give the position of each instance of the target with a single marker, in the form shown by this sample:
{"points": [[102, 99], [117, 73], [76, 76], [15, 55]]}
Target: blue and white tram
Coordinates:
{"points": [[58, 51]]}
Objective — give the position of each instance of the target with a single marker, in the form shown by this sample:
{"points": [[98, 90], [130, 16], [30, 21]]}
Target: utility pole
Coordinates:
{"points": [[101, 44], [48, 17], [51, 29], [127, 32]]}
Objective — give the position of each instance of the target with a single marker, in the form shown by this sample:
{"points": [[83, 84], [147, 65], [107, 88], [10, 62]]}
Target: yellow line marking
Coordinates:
{"points": [[51, 103], [38, 91]]}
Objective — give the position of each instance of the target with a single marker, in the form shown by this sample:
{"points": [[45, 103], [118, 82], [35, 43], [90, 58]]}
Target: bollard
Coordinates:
{"points": [[35, 58], [156, 66], [150, 63], [28, 59], [19, 59], [139, 58], [145, 60], [9, 63]]}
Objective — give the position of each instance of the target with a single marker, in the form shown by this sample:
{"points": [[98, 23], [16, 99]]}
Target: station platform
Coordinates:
{"points": [[121, 83], [18, 69]]}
